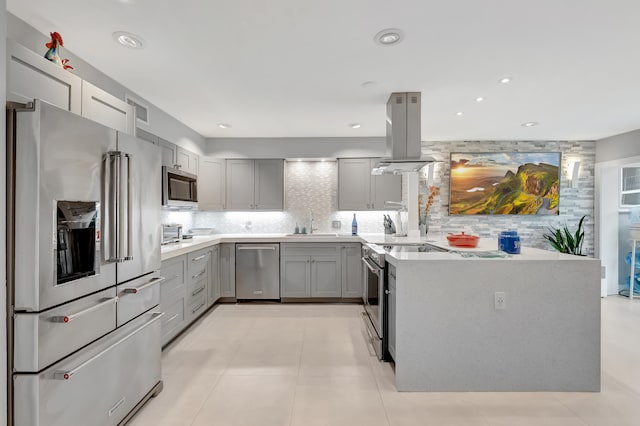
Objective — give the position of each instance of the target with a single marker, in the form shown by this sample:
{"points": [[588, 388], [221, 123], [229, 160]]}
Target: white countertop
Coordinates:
{"points": [[485, 244]]}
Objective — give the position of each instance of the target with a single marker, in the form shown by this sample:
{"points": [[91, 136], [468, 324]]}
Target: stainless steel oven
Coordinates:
{"points": [[373, 264], [179, 189]]}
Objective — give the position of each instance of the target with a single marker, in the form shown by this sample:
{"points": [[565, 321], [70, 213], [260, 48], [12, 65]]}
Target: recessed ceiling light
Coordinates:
{"points": [[130, 40], [529, 124], [224, 125], [505, 80], [479, 99], [459, 113], [389, 37], [355, 125]]}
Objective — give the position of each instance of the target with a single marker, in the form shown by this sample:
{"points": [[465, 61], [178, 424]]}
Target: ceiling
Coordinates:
{"points": [[295, 68]]}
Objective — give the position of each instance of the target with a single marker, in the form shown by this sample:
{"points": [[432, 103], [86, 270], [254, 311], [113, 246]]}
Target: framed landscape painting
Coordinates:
{"points": [[505, 183]]}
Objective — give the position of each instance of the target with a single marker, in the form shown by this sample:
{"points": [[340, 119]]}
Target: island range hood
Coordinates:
{"points": [[404, 153]]}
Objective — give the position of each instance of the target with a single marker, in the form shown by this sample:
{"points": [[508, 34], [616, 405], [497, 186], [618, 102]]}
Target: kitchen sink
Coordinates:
{"points": [[316, 234]]}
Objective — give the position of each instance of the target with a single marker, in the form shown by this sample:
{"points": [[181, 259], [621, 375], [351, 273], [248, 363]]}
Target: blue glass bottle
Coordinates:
{"points": [[354, 225]]}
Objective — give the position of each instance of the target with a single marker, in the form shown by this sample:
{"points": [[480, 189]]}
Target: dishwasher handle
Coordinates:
{"points": [[257, 248]]}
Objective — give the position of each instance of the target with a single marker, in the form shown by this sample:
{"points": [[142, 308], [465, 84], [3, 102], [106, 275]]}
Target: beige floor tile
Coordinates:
{"points": [[337, 401], [179, 401], [249, 401], [266, 358], [308, 364]]}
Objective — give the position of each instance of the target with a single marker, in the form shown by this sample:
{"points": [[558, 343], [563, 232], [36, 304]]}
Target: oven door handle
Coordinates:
{"points": [[372, 268]]}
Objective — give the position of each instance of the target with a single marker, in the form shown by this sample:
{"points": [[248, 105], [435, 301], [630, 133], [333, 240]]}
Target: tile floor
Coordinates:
{"points": [[262, 365]]}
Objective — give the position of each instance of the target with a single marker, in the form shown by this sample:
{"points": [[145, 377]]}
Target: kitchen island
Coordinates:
{"points": [[449, 336]]}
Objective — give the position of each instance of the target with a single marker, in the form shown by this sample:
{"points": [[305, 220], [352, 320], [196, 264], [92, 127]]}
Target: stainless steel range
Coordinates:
{"points": [[374, 275], [83, 254]]}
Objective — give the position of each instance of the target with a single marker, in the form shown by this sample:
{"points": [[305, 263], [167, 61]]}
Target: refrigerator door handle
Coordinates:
{"points": [[68, 318], [110, 213], [124, 207], [67, 374], [151, 282], [129, 255]]}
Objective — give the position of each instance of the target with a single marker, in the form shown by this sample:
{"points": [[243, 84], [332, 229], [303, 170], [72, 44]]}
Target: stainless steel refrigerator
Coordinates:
{"points": [[83, 259]]}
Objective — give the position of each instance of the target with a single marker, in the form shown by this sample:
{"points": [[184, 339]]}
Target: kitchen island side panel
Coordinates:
{"points": [[450, 337]]}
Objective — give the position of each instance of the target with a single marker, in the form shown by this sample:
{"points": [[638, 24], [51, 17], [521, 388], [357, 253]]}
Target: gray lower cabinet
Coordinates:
{"points": [[173, 292], [198, 282], [310, 270], [391, 311], [214, 275], [351, 270], [295, 276], [227, 270]]}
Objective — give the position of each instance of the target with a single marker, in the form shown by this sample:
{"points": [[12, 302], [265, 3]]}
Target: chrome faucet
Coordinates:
{"points": [[311, 228]]}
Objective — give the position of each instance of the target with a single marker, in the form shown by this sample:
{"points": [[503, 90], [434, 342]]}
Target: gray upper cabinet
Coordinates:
{"points": [[31, 76], [169, 153], [104, 108], [359, 190], [187, 160], [351, 270], [228, 270], [178, 157], [146, 136], [211, 183], [254, 185]]}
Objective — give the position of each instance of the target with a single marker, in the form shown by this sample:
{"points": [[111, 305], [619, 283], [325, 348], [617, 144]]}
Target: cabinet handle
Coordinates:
{"points": [[198, 275], [194, 310], [172, 318], [199, 258], [197, 292], [387, 292]]}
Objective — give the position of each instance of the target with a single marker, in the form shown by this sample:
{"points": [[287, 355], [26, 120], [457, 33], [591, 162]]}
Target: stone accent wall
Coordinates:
{"points": [[574, 202]]}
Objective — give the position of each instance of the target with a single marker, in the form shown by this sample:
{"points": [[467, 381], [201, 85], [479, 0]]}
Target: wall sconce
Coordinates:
{"points": [[428, 171], [574, 173]]}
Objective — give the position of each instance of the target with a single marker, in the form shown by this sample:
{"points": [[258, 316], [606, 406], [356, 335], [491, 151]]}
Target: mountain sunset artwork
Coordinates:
{"points": [[505, 183]]}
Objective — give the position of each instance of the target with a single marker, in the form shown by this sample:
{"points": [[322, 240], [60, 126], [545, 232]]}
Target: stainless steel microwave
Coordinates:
{"points": [[179, 189]]}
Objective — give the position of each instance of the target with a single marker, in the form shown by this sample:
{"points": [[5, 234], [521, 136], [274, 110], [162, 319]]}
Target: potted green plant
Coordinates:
{"points": [[565, 241]]}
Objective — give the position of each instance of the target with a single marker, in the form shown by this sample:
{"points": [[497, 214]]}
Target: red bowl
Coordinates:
{"points": [[463, 240]]}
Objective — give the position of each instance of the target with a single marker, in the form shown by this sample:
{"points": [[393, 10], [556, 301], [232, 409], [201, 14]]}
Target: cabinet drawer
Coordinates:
{"points": [[198, 305], [174, 273], [42, 339], [173, 319], [309, 249], [97, 386], [197, 289], [197, 260]]}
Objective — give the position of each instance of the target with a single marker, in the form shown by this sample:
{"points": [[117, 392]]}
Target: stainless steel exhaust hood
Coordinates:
{"points": [[404, 153]]}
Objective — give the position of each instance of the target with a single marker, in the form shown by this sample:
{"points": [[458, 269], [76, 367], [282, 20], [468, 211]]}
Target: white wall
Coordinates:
{"points": [[160, 123], [618, 147], [296, 147], [3, 293]]}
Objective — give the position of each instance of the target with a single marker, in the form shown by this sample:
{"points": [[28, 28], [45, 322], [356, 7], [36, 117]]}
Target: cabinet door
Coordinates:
{"points": [[239, 184], [103, 107], [385, 188], [326, 276], [30, 76], [169, 153], [269, 184], [146, 136], [211, 179], [351, 270], [391, 312], [227, 270], [187, 160], [214, 275], [295, 276], [354, 182]]}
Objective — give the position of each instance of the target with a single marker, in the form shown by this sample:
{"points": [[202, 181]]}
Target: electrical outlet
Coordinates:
{"points": [[500, 301], [336, 224]]}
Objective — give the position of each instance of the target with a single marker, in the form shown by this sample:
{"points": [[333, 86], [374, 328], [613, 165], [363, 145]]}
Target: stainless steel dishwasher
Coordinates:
{"points": [[257, 271]]}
